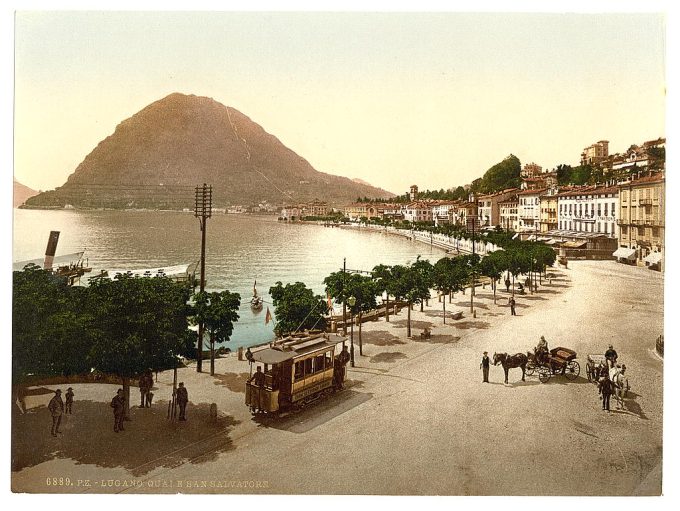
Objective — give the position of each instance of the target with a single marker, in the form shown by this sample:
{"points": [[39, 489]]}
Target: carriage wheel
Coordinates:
{"points": [[589, 371], [573, 370], [543, 374], [530, 369]]}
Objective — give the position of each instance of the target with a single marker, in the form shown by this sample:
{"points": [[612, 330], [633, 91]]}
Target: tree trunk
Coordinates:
{"points": [[422, 304], [126, 393], [387, 309], [494, 291], [445, 312], [408, 322], [513, 284]]}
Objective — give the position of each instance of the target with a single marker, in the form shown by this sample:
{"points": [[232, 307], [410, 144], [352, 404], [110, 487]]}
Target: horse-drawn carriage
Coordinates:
{"points": [[595, 364], [558, 360]]}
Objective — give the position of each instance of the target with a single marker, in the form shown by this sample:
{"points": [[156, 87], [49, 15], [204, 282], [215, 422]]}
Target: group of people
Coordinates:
{"points": [[612, 380], [58, 408]]}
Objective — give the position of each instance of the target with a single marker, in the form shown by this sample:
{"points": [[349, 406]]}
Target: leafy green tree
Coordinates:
{"points": [[218, 312], [492, 266], [364, 291], [337, 289], [409, 285], [138, 324], [505, 174], [448, 276], [384, 282], [519, 261], [425, 269], [297, 308]]}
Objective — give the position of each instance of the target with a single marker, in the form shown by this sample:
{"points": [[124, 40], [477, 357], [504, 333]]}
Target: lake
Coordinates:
{"points": [[239, 250]]}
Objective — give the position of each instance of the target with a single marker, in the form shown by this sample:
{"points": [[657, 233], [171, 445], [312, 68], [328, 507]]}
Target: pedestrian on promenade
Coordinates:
{"points": [[182, 400], [56, 408], [606, 390], [511, 301], [507, 284], [69, 400], [258, 380], [118, 405], [145, 384], [611, 355], [484, 365]]}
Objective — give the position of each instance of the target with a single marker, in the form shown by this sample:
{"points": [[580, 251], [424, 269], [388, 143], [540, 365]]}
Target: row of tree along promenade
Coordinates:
{"points": [[119, 329]]}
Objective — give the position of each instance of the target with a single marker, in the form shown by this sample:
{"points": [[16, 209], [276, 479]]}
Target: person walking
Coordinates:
{"points": [[118, 405], [606, 390], [56, 408], [507, 284], [182, 400], [484, 365], [69, 400], [145, 384], [511, 301]]}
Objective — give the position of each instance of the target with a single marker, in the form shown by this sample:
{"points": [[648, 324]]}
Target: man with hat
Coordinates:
{"points": [[611, 355], [485, 367], [118, 405], [542, 350], [182, 400], [56, 408], [69, 400]]}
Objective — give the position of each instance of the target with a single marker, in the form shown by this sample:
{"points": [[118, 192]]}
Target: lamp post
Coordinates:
{"points": [[351, 301]]}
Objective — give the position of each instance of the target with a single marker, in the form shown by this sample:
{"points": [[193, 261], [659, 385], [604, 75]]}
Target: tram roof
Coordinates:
{"points": [[280, 354]]}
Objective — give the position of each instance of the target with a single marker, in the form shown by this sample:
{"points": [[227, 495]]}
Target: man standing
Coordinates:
{"points": [[611, 355], [56, 408], [182, 400], [485, 367], [512, 306], [606, 389], [145, 383], [118, 405], [69, 400], [507, 284], [258, 380]]}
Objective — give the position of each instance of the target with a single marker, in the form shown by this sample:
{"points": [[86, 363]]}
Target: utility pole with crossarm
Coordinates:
{"points": [[202, 211]]}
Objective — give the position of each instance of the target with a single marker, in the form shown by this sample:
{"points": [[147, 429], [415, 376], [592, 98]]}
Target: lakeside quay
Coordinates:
{"points": [[415, 417]]}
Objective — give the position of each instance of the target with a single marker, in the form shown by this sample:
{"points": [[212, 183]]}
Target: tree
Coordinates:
{"points": [[492, 266], [384, 282], [336, 288], [49, 328], [505, 174], [297, 307], [409, 285], [424, 268], [218, 312], [364, 291], [138, 324], [448, 276], [519, 262]]}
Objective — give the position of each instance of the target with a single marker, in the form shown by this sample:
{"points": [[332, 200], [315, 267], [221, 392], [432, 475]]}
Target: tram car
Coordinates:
{"points": [[296, 373]]}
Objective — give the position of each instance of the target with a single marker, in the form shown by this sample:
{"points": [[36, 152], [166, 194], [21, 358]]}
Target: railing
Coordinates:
{"points": [[645, 202], [650, 222]]}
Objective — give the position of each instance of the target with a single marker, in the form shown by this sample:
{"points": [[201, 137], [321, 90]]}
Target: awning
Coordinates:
{"points": [[531, 238], [653, 258], [625, 253], [575, 244], [552, 242], [270, 356]]}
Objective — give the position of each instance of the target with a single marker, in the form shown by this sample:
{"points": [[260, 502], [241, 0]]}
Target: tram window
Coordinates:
{"points": [[318, 364], [329, 360], [308, 366], [299, 370]]}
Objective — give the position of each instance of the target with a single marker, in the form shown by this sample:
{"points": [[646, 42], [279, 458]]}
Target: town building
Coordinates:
{"points": [[589, 209], [531, 170], [641, 219], [418, 211], [413, 193], [441, 212], [489, 206], [316, 208], [359, 210], [528, 209], [548, 207], [595, 153], [509, 219]]}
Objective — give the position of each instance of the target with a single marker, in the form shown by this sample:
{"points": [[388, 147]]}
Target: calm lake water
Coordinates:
{"points": [[239, 250]]}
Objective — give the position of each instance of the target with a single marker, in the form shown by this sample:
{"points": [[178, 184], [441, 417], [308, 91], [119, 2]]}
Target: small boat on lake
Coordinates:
{"points": [[256, 301]]}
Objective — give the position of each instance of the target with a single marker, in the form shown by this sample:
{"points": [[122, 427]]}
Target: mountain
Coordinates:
{"points": [[21, 193], [155, 158]]}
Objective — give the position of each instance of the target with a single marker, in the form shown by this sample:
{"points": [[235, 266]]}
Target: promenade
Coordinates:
{"points": [[415, 417]]}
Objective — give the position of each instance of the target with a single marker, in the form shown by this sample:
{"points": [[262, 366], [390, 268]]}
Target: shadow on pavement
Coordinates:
{"points": [[236, 382], [465, 325], [315, 414], [436, 339], [467, 304], [148, 442], [387, 357], [380, 338], [414, 324]]}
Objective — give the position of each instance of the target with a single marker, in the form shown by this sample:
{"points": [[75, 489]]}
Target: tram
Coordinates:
{"points": [[296, 373]]}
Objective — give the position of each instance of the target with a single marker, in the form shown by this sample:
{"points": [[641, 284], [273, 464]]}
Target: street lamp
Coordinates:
{"points": [[351, 301]]}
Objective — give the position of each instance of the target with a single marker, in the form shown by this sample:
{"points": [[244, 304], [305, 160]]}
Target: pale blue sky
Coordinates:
{"points": [[396, 99]]}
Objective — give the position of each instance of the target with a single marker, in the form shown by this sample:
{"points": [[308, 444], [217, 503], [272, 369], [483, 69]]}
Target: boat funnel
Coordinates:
{"points": [[51, 249]]}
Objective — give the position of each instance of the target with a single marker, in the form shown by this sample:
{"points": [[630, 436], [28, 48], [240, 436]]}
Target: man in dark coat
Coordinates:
{"points": [[606, 390], [118, 405], [56, 408], [507, 285], [182, 400], [485, 367], [69, 400], [611, 355], [512, 306]]}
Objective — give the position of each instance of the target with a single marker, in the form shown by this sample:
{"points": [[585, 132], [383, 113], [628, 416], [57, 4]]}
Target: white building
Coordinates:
{"points": [[509, 219], [441, 212], [589, 209], [529, 209], [417, 212]]}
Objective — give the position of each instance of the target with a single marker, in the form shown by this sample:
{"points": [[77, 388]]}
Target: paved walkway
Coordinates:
{"points": [[415, 418]]}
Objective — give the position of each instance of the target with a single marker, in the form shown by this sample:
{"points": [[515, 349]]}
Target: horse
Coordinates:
{"points": [[510, 361], [621, 388]]}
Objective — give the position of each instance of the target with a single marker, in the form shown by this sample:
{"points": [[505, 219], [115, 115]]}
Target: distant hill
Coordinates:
{"points": [[155, 158], [21, 193]]}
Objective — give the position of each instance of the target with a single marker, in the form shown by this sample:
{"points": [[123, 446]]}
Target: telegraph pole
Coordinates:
{"points": [[202, 211]]}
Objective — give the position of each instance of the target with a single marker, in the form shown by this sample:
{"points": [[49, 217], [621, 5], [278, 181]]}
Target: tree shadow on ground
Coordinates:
{"points": [[437, 339], [387, 357], [380, 338], [149, 441], [476, 304], [533, 297], [414, 324], [494, 314], [440, 315], [466, 325], [236, 382], [560, 285], [317, 413]]}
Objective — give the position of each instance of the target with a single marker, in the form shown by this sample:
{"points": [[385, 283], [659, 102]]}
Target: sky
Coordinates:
{"points": [[396, 99]]}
